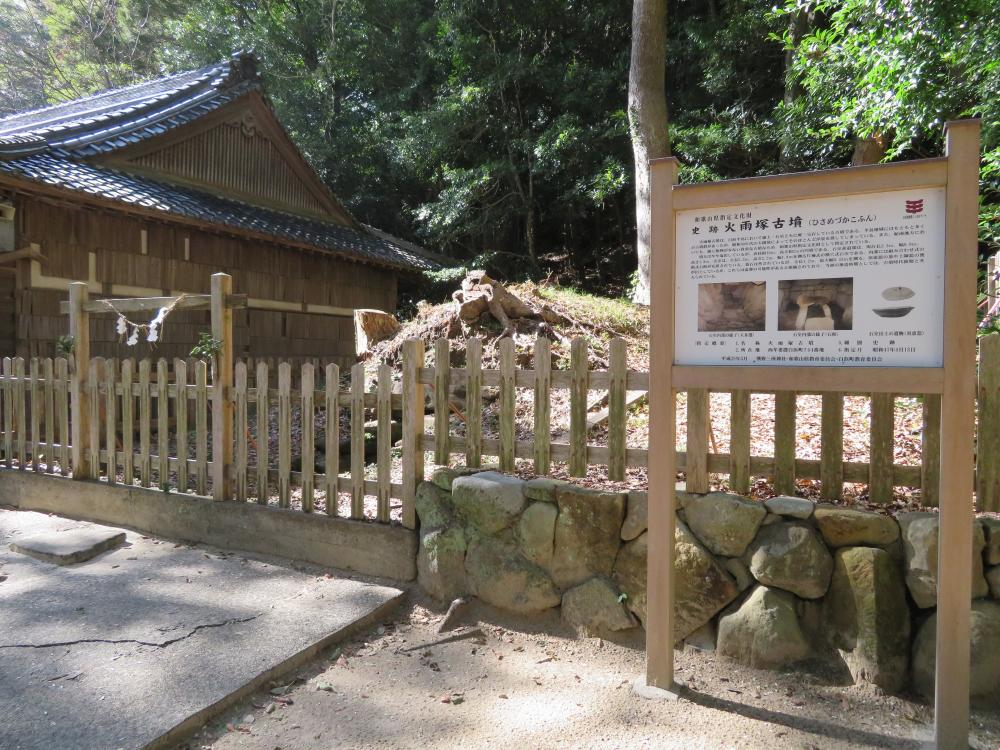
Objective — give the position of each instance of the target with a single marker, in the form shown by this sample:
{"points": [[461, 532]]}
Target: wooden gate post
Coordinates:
{"points": [[662, 451], [222, 407], [413, 428], [951, 690], [79, 329]]}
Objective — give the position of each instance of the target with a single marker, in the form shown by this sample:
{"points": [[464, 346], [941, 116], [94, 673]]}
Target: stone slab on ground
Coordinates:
{"points": [[138, 646], [69, 546]]}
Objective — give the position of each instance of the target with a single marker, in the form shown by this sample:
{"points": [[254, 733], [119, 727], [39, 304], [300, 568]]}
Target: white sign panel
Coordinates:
{"points": [[851, 281]]}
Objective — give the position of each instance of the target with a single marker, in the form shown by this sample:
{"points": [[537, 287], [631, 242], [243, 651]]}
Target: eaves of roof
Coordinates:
{"points": [[147, 195]]}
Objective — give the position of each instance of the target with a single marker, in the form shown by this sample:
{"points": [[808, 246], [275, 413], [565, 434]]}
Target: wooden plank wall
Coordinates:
{"points": [[67, 234]]}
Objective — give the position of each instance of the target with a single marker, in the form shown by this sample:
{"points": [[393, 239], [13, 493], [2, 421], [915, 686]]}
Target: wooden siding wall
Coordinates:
{"points": [[219, 157], [261, 270], [8, 328]]}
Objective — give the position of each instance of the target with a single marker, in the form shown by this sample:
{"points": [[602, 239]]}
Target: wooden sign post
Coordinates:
{"points": [[910, 229]]}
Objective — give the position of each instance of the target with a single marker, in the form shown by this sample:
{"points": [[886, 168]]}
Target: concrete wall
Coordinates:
{"points": [[366, 548]]}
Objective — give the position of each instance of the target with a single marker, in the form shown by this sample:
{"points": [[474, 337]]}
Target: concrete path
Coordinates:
{"points": [[137, 646]]}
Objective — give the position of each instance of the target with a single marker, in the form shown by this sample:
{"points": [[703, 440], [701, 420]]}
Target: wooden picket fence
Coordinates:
{"points": [[153, 424], [698, 461], [579, 379]]}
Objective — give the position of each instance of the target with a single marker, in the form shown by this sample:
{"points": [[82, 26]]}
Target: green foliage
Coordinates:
{"points": [[897, 70], [65, 345], [207, 347], [499, 130]]}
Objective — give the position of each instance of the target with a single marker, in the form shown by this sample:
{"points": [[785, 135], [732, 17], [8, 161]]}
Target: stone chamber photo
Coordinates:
{"points": [[815, 304]]}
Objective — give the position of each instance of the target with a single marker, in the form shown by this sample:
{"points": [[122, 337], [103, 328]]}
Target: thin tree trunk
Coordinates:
{"points": [[799, 25], [647, 115], [530, 230]]}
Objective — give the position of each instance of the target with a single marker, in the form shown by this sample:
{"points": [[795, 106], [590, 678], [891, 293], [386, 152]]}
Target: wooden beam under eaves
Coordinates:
{"points": [[25, 253]]}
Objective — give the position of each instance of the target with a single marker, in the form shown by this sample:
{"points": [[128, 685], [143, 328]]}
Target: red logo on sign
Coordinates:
{"points": [[915, 207]]}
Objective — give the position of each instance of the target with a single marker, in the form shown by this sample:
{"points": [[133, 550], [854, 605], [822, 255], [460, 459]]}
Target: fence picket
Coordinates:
{"points": [[384, 445], [35, 391], [784, 442], [332, 438], [543, 405], [507, 404], [988, 434], [474, 402], [358, 440], [263, 432], [19, 413], [930, 452], [308, 422], [201, 427], [8, 412], [145, 415], [94, 423], [181, 418], [442, 399], [880, 458], [284, 434], [698, 426], [128, 424], [62, 410], [831, 456], [50, 415], [240, 432], [413, 428], [111, 419], [162, 422], [578, 391], [739, 442], [617, 373]]}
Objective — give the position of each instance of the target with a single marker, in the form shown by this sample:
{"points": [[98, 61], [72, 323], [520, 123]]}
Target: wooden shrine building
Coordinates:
{"points": [[149, 190]]}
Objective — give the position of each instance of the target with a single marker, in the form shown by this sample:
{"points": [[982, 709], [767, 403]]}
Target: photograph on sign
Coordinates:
{"points": [[815, 304], [731, 307], [848, 281]]}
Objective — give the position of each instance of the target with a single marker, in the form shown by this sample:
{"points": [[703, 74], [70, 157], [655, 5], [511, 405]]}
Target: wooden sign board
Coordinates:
{"points": [[858, 279], [851, 281]]}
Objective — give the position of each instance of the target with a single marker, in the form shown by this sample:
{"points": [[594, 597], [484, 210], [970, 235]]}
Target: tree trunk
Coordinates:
{"points": [[530, 217], [647, 115], [799, 25]]}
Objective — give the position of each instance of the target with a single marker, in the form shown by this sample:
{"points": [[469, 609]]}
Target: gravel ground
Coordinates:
{"points": [[530, 683]]}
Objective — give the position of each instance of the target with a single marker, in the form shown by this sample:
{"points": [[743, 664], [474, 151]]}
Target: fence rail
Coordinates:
{"points": [[153, 424]]}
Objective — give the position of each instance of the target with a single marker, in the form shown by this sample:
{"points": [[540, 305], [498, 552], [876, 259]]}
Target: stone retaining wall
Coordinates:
{"points": [[765, 584]]}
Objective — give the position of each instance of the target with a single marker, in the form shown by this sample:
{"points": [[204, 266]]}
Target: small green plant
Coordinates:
{"points": [[166, 487], [65, 345], [207, 347]]}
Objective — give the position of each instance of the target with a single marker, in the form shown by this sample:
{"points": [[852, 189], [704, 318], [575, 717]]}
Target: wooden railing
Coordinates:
{"points": [[157, 428]]}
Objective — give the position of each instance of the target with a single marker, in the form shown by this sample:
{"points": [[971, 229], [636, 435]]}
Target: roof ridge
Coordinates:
{"points": [[241, 67], [103, 93]]}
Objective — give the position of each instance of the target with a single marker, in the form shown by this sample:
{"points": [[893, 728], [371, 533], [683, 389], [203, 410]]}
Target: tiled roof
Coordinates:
{"points": [[47, 146]]}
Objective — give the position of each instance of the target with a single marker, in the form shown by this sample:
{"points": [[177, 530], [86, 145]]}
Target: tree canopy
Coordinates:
{"points": [[475, 127]]}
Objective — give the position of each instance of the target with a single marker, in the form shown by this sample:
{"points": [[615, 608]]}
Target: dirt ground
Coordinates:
{"points": [[531, 683]]}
